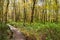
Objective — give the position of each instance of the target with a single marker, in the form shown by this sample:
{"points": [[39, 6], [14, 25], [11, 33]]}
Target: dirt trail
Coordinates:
{"points": [[16, 34]]}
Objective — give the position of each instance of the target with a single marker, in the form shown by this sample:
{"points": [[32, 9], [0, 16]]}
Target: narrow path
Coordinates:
{"points": [[17, 35]]}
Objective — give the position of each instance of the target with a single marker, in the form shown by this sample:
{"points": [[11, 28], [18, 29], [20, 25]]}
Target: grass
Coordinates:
{"points": [[48, 31]]}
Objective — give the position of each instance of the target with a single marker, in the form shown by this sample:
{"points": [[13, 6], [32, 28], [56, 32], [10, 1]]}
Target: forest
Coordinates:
{"points": [[29, 19]]}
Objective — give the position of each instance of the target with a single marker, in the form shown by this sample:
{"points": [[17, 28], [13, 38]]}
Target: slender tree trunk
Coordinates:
{"points": [[19, 13], [56, 11], [6, 11], [24, 20], [34, 2], [1, 10], [14, 11]]}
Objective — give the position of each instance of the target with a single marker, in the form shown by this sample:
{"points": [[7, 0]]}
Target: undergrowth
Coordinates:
{"points": [[47, 31], [36, 31]]}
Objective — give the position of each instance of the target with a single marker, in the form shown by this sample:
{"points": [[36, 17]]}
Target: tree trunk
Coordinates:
{"points": [[24, 14], [6, 11], [34, 2], [56, 11]]}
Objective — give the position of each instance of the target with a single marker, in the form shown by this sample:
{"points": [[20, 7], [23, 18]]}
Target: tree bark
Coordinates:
{"points": [[56, 11], [34, 2], [6, 11], [24, 14]]}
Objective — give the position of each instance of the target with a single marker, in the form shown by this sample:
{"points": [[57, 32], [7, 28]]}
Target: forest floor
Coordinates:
{"points": [[48, 31], [38, 31]]}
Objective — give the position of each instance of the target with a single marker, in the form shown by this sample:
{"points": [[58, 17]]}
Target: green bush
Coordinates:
{"points": [[3, 31]]}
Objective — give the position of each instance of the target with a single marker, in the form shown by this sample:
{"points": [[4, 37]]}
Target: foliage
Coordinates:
{"points": [[38, 30], [50, 30], [3, 31], [35, 18]]}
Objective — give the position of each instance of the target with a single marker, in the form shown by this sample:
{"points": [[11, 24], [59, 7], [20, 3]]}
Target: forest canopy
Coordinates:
{"points": [[30, 10]]}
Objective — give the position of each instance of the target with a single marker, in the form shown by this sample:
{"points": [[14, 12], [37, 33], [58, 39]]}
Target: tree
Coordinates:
{"points": [[6, 11], [34, 2], [24, 13], [56, 10]]}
